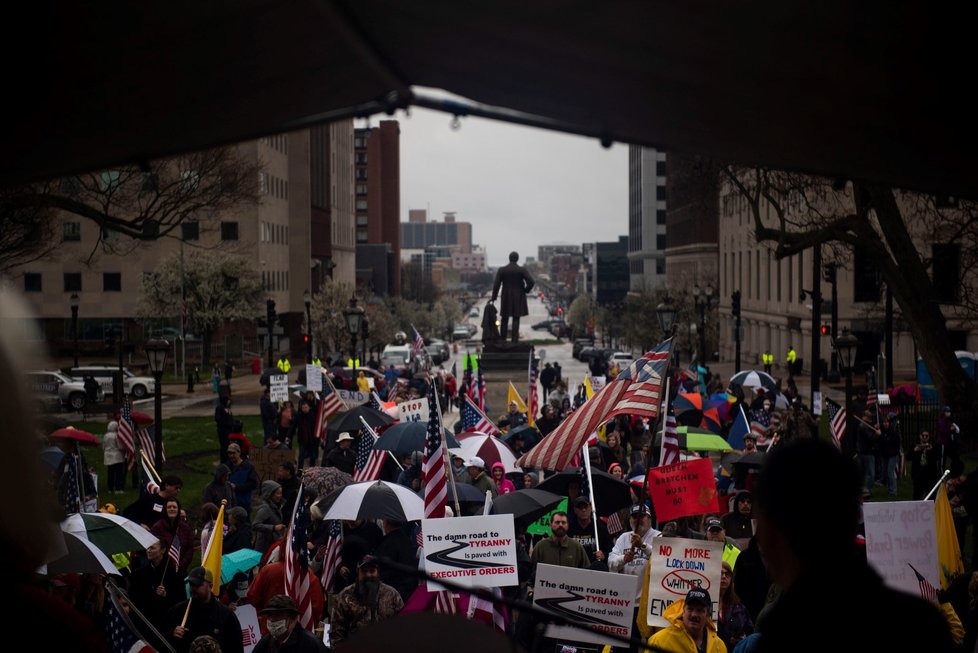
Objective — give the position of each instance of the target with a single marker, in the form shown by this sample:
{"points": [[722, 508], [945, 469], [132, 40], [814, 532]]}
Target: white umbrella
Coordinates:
{"points": [[82, 557], [372, 500], [780, 402], [488, 447], [110, 533], [755, 379]]}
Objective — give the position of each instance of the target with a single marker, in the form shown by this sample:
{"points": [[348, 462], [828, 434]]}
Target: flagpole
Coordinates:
{"points": [[444, 452], [156, 474], [947, 472], [590, 490], [142, 617]]}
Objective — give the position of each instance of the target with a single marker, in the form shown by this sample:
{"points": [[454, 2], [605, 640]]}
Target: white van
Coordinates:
{"points": [[397, 355]]}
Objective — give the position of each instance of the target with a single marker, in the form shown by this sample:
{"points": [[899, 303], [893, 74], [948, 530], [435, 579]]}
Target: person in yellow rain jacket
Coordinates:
{"points": [[283, 364], [691, 629]]}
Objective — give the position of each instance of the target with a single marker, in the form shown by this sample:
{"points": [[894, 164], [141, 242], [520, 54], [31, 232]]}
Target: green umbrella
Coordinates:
{"points": [[110, 533], [692, 438]]}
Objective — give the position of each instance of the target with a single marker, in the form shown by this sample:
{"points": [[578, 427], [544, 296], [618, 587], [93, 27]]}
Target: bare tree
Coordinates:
{"points": [[890, 227]]}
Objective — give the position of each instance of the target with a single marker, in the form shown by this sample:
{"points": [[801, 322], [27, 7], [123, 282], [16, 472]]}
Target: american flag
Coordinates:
{"points": [[433, 469], [70, 479], [927, 591], [147, 443], [616, 524], [872, 403], [120, 632], [482, 389], [152, 485], [369, 462], [174, 552], [761, 416], [669, 451], [533, 402], [331, 562], [759, 430], [374, 401], [417, 347], [489, 612], [837, 421], [555, 451], [584, 483], [126, 431], [329, 405], [297, 563], [474, 419]]}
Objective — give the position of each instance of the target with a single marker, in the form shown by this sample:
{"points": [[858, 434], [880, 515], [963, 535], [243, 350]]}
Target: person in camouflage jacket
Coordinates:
{"points": [[363, 603]]}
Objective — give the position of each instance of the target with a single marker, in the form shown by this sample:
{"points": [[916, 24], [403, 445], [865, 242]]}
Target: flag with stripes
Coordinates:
{"points": [[329, 405], [331, 561], [555, 451], [493, 613], [616, 524], [433, 468], [120, 632], [669, 452], [533, 400], [872, 403], [369, 462], [126, 432], [375, 402], [152, 484], [297, 563], [417, 346], [837, 421], [483, 405], [174, 552], [927, 591], [645, 374], [70, 479], [147, 442], [474, 419], [759, 431]]}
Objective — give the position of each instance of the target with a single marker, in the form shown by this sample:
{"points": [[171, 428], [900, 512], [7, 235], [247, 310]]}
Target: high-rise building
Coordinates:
{"points": [[610, 276], [419, 233], [377, 189], [692, 222], [332, 244], [646, 218]]}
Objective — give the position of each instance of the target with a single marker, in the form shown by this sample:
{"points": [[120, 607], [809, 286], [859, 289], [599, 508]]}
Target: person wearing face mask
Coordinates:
{"points": [[367, 601], [284, 634], [235, 593]]}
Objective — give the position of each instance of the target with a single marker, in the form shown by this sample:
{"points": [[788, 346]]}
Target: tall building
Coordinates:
{"points": [[692, 221], [610, 276], [332, 244], [646, 218], [545, 252], [419, 233], [377, 164]]}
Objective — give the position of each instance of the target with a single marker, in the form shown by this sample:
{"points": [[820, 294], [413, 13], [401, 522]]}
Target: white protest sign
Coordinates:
{"points": [[250, 634], [279, 388], [353, 397], [414, 410], [598, 599], [900, 534], [597, 382], [314, 378], [678, 565], [475, 551]]}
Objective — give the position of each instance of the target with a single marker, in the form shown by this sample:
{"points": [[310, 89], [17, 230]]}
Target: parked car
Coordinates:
{"points": [[580, 343], [137, 386], [560, 329], [70, 393], [621, 359], [438, 350], [461, 332], [544, 325], [474, 312]]}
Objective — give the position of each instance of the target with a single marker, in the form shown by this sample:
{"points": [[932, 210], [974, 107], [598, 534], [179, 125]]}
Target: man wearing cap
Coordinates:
{"points": [[633, 548], [582, 528], [715, 532], [739, 522], [206, 616], [243, 479], [476, 468], [559, 549], [367, 601], [284, 634], [691, 630], [342, 456], [148, 508]]}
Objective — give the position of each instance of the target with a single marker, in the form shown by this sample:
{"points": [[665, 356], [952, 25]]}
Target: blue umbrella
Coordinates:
{"points": [[51, 457], [241, 560]]}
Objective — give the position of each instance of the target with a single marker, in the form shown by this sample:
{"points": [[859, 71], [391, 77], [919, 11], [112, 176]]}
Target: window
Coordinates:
{"points": [[660, 168], [361, 205], [71, 231], [361, 157], [73, 282], [660, 242], [190, 230], [361, 221], [108, 180], [946, 272], [229, 231], [32, 282], [361, 236], [362, 174], [660, 216], [112, 282], [266, 232], [361, 189]]}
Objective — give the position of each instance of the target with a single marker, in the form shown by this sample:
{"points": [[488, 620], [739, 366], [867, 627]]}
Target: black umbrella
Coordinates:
{"points": [[530, 435], [467, 493], [526, 505], [610, 493], [350, 420], [407, 437]]}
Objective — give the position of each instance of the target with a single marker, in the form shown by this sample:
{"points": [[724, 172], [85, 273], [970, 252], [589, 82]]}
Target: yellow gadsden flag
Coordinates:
{"points": [[948, 550], [513, 395], [211, 559], [588, 390]]}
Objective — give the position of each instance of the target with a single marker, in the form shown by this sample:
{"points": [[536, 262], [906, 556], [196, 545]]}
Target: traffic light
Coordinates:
{"points": [[826, 330], [735, 303], [305, 339]]}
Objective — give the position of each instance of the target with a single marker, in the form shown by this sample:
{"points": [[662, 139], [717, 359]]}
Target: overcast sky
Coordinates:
{"points": [[519, 187]]}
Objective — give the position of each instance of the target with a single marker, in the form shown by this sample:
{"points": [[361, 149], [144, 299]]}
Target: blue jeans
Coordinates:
{"points": [[868, 461], [892, 462]]}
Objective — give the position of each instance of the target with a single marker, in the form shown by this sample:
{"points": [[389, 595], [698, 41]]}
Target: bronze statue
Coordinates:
{"points": [[516, 282]]}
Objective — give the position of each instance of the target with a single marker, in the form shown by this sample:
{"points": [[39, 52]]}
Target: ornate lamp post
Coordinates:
{"points": [[353, 315], [156, 353], [666, 313], [702, 299]]}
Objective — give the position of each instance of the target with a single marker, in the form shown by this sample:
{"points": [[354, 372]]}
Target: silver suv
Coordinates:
{"points": [[137, 386], [70, 393]]}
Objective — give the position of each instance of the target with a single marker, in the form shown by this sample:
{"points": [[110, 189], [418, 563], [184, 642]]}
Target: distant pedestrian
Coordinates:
{"points": [[216, 380]]}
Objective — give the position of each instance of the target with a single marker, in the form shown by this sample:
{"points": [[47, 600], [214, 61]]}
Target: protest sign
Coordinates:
{"points": [[353, 397], [267, 461], [542, 525], [900, 534], [678, 565], [475, 551], [413, 410], [598, 382], [279, 388], [314, 378], [686, 488], [598, 599], [250, 634]]}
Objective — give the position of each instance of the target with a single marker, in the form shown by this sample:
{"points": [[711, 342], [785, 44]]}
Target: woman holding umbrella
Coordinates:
{"points": [[174, 530]]}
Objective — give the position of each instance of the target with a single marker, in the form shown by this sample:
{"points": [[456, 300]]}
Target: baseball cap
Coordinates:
{"points": [[199, 575], [280, 603], [475, 461], [367, 561], [698, 596], [344, 436], [714, 522], [582, 501], [642, 508]]}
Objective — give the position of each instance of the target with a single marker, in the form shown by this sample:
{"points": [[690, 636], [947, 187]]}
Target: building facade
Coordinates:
{"points": [[646, 218], [377, 189]]}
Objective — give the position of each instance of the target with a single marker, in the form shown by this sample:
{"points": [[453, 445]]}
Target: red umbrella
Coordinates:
{"points": [[711, 420], [138, 418], [687, 401], [71, 433]]}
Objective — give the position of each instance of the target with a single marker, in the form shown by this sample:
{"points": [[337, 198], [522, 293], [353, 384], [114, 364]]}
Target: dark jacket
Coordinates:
{"points": [[515, 282], [216, 491], [269, 515], [269, 416], [245, 480], [342, 459], [290, 490], [238, 539], [209, 618], [142, 590], [402, 549], [183, 533], [300, 641]]}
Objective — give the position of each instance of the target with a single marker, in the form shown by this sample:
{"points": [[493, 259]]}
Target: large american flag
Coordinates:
{"points": [[555, 451], [147, 442], [126, 432], [433, 469], [533, 402], [837, 421], [331, 562], [120, 632], [329, 405], [297, 563], [71, 479], [370, 462], [474, 419]]}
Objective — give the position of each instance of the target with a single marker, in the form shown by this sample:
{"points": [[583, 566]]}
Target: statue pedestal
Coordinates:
{"points": [[502, 362]]}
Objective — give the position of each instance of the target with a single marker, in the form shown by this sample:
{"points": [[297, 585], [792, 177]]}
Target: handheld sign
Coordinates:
{"points": [[598, 599], [678, 565], [279, 388], [353, 397], [475, 551], [414, 410], [314, 378], [900, 534], [686, 488], [542, 525], [250, 634]]}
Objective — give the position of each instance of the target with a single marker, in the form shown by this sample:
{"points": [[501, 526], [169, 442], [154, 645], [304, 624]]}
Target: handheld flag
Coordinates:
{"points": [[126, 432], [512, 396], [297, 563], [120, 631], [331, 561], [369, 462], [211, 558], [588, 388], [738, 430], [474, 419], [948, 549], [669, 450], [837, 421], [927, 591]]}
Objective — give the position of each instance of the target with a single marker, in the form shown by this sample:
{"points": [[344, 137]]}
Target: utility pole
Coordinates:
{"points": [[816, 322], [831, 271], [735, 307], [270, 307]]}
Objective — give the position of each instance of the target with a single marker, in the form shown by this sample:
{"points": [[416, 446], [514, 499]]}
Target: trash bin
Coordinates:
{"points": [[256, 366]]}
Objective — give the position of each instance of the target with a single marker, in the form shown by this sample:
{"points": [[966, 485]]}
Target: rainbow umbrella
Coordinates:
{"points": [[711, 420], [722, 401]]}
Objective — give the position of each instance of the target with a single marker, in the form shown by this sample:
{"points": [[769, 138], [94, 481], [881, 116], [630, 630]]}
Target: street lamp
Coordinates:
{"points": [[73, 302], [353, 315], [156, 352], [845, 346], [307, 299], [702, 299], [666, 313]]}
